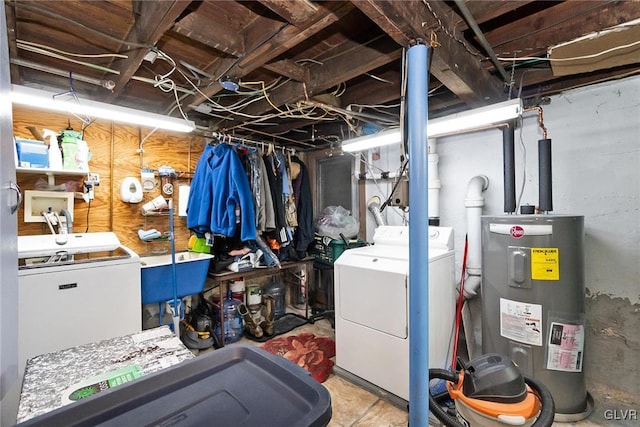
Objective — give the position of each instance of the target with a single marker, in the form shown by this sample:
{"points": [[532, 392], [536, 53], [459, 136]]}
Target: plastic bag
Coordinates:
{"points": [[336, 220]]}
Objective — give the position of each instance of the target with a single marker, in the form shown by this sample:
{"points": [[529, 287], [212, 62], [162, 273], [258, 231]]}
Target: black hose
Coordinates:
{"points": [[440, 413], [547, 413], [545, 418]]}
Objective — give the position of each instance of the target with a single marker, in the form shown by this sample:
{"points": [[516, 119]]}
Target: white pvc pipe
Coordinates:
{"points": [[474, 201], [433, 180]]}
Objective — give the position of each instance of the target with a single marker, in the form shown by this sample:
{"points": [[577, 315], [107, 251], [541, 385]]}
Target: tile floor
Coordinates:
{"points": [[353, 406]]}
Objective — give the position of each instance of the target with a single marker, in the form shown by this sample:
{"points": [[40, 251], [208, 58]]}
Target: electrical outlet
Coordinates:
{"points": [[94, 178], [87, 190]]}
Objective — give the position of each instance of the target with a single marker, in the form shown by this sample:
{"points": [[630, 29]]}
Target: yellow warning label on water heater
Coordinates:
{"points": [[545, 264]]}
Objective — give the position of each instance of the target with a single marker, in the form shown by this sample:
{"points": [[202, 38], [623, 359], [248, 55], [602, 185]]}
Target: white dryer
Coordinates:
{"points": [[372, 307]]}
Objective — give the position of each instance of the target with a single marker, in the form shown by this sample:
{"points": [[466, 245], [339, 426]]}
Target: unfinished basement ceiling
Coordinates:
{"points": [[310, 73]]}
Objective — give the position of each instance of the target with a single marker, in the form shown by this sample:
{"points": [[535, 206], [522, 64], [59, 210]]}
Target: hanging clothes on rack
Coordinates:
{"points": [[267, 212], [275, 183], [220, 198], [290, 212], [304, 234]]}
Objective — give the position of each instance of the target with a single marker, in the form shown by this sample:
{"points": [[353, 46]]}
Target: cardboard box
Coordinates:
{"points": [[32, 154]]}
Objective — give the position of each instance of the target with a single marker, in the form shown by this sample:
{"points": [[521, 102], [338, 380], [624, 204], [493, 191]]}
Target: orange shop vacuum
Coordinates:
{"points": [[490, 391]]}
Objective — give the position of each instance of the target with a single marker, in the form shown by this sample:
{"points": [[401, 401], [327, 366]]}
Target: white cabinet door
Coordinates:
{"points": [[8, 235]]}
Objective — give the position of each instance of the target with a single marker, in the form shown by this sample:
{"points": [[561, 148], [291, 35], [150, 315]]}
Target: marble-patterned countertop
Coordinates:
{"points": [[50, 377]]}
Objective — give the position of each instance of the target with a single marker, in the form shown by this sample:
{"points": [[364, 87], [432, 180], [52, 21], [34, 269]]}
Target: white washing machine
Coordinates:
{"points": [[372, 307]]}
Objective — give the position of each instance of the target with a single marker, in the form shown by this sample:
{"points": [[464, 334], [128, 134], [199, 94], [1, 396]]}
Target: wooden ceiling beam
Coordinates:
{"points": [[373, 92], [543, 83], [291, 36], [269, 48], [359, 59], [288, 69], [483, 11], [153, 19], [452, 64], [295, 13], [198, 26], [540, 31], [353, 60], [10, 17]]}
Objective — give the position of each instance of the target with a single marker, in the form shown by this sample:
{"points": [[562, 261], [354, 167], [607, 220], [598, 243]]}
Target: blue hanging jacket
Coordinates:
{"points": [[219, 187]]}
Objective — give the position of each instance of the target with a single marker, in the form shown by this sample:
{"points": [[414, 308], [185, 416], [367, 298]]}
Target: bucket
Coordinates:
{"points": [[253, 295], [237, 288]]}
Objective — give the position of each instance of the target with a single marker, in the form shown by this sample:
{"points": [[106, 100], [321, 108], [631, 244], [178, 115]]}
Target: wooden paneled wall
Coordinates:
{"points": [[114, 148]]}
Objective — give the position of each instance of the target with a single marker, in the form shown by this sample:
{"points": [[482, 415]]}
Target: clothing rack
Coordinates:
{"points": [[231, 139]]}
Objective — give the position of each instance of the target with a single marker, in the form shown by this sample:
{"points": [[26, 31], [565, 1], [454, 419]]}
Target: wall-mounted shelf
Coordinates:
{"points": [[51, 173]]}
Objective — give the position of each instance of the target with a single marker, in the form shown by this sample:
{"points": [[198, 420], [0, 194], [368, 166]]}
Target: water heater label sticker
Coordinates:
{"points": [[520, 321], [545, 264], [566, 347]]}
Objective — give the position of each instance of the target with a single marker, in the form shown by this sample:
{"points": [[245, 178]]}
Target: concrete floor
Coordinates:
{"points": [[354, 406]]}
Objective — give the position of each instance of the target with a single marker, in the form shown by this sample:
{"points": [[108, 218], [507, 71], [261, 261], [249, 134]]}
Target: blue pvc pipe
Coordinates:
{"points": [[417, 114], [174, 276]]}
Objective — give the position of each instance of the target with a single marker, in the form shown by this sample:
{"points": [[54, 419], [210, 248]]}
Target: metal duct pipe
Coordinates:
{"points": [[481, 38], [373, 205], [545, 201], [107, 84], [417, 113], [92, 66], [509, 170]]}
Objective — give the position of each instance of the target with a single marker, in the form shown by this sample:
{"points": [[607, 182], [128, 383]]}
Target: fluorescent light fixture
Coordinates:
{"points": [[37, 98], [379, 139], [455, 123]]}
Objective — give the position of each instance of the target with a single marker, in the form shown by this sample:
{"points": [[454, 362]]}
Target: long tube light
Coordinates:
{"points": [[452, 124], [37, 98]]}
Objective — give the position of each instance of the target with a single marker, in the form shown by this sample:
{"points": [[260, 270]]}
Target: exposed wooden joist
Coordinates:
{"points": [[353, 60], [153, 19], [271, 47], [292, 36], [10, 18], [452, 64], [577, 18], [295, 13], [542, 82], [360, 59], [289, 69], [374, 91], [484, 11], [197, 26]]}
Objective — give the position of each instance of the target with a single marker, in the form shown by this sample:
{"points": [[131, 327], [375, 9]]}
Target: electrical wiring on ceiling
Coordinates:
{"points": [[35, 7], [166, 83], [46, 51], [575, 58], [78, 55], [449, 33], [380, 79]]}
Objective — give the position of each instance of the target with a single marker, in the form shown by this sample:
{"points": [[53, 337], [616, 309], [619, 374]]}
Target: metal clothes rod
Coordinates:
{"points": [[225, 138]]}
